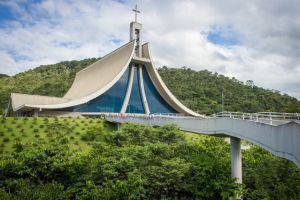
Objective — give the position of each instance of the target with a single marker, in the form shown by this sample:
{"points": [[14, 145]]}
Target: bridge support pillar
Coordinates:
{"points": [[236, 162], [119, 126], [236, 159]]}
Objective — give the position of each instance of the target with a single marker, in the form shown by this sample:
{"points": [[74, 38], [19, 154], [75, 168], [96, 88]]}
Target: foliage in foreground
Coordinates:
{"points": [[135, 163], [140, 163]]}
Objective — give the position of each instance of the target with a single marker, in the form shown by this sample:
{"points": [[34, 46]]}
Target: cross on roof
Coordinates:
{"points": [[136, 12]]}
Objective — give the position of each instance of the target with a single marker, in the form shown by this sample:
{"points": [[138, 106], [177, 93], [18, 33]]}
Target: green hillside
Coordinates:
{"points": [[199, 90], [3, 75], [22, 130], [74, 158]]}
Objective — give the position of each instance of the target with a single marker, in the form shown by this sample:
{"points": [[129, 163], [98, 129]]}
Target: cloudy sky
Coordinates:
{"points": [[257, 40]]}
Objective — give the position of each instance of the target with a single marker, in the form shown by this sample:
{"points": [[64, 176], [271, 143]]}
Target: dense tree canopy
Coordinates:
{"points": [[3, 75], [135, 163], [140, 162], [202, 91]]}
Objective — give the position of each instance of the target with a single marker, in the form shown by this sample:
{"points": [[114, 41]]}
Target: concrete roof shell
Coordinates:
{"points": [[88, 84], [162, 88], [99, 77]]}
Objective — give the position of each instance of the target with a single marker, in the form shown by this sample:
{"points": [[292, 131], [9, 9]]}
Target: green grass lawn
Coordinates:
{"points": [[28, 129], [14, 130]]}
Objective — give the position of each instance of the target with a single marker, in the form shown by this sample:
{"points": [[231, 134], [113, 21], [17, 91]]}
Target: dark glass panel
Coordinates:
{"points": [[155, 102], [135, 104], [110, 101]]}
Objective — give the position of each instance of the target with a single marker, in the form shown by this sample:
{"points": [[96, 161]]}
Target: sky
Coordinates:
{"points": [[255, 40]]}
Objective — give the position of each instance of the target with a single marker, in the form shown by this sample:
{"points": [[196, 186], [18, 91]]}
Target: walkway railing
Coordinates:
{"points": [[265, 117], [272, 118]]}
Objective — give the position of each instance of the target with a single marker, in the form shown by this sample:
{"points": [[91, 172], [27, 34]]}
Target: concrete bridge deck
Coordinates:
{"points": [[281, 137]]}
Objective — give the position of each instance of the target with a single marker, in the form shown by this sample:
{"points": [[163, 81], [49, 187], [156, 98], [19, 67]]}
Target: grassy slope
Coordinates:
{"points": [[27, 129]]}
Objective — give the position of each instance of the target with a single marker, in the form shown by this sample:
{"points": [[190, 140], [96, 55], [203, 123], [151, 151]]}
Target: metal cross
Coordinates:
{"points": [[136, 12]]}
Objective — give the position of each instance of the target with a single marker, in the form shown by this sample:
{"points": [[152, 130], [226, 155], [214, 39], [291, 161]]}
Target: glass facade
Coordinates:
{"points": [[155, 102], [135, 104], [110, 101]]}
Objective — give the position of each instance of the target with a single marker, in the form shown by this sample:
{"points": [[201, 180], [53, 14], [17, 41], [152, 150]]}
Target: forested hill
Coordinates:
{"points": [[199, 90], [3, 75]]}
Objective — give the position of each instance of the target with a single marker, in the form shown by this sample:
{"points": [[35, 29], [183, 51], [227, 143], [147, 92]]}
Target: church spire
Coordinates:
{"points": [[135, 33]]}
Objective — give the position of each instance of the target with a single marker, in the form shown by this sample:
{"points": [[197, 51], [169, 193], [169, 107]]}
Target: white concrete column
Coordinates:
{"points": [[236, 159], [35, 113], [142, 90], [119, 126], [129, 87]]}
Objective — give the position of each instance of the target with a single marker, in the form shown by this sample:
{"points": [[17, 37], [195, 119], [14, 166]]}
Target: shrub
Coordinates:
{"points": [[91, 135], [72, 137], [42, 126], [18, 139], [34, 120], [3, 119], [18, 147], [37, 135], [5, 140], [1, 134], [36, 130]]}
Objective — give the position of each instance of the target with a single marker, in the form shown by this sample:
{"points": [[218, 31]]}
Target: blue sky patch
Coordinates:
{"points": [[115, 40], [226, 38], [69, 45], [16, 56], [6, 13]]}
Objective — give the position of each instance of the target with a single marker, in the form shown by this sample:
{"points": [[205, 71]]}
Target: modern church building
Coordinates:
{"points": [[124, 81]]}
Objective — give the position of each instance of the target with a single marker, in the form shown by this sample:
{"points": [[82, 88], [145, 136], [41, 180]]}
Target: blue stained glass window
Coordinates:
{"points": [[155, 102], [135, 104], [110, 101]]}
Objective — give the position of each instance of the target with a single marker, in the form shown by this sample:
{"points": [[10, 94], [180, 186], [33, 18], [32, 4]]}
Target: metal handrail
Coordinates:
{"points": [[260, 116]]}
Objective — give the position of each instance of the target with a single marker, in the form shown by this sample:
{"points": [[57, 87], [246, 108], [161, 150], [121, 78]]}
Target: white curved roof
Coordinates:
{"points": [[162, 88], [88, 84], [101, 73], [97, 78]]}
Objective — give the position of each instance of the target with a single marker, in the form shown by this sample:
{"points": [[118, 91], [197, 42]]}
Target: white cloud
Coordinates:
{"points": [[268, 35]]}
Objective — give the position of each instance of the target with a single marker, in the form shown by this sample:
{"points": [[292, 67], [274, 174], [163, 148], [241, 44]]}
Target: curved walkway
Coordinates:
{"points": [[281, 138]]}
